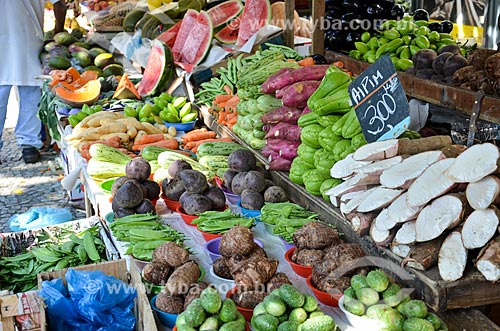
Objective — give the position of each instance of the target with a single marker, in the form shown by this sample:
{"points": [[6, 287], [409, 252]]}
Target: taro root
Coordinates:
{"points": [[145, 207], [237, 184], [411, 71], [227, 178], [156, 272], [194, 181], [221, 268], [238, 240], [175, 168], [138, 168], [194, 292], [248, 299], [195, 204], [492, 66], [275, 194], [335, 257], [236, 259], [173, 188], [315, 235], [496, 86], [453, 63], [462, 75], [129, 195], [479, 56], [172, 304], [333, 284], [468, 86], [171, 253], [277, 280], [307, 257], [254, 181], [423, 59], [216, 196], [476, 76], [438, 63], [438, 78], [117, 184], [425, 73], [254, 273], [485, 85], [252, 200], [152, 189], [182, 278], [452, 48], [242, 160]]}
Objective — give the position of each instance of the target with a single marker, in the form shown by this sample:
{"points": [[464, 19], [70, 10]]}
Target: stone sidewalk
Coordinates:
{"points": [[23, 186]]}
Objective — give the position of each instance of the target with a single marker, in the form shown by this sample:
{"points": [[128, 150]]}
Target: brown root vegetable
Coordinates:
{"points": [[238, 240], [182, 278], [479, 56], [496, 86], [453, 63], [194, 292], [171, 253], [277, 280], [481, 194], [333, 284], [475, 163], [462, 75], [404, 173], [156, 272], [423, 256], [236, 259], [468, 86], [438, 63], [480, 227], [453, 151], [492, 66], [307, 257], [378, 198], [253, 273], [336, 256], [426, 73], [476, 76], [452, 257], [443, 213], [485, 85], [248, 299], [488, 260], [381, 237], [361, 222], [452, 48], [430, 184], [315, 235], [407, 234], [172, 304], [423, 59], [221, 268]]}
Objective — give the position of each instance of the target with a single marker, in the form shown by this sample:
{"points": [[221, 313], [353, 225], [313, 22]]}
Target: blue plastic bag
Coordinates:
{"points": [[95, 302], [39, 217]]}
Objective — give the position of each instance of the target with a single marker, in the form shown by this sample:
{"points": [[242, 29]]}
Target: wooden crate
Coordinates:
{"points": [[470, 291], [20, 309], [143, 313]]}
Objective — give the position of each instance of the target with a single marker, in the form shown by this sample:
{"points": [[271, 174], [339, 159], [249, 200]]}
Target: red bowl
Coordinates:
{"points": [[246, 312], [209, 236], [324, 297], [171, 204], [301, 270], [188, 219]]}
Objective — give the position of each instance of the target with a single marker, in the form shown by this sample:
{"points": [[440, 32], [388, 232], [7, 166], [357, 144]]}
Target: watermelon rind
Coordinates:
{"points": [[159, 69], [224, 12], [229, 33], [256, 14]]}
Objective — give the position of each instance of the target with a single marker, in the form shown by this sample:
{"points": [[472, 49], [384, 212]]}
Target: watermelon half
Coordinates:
{"points": [[158, 71], [256, 14], [224, 12], [229, 33], [168, 37], [194, 38]]}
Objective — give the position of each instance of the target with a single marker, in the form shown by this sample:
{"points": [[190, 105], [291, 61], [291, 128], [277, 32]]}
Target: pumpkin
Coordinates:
{"points": [[88, 94], [126, 89], [69, 76]]}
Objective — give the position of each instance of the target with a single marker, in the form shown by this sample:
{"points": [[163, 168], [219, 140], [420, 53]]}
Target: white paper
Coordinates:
{"points": [[419, 111]]}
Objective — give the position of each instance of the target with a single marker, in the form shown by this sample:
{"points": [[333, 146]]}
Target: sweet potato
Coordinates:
{"points": [[282, 114], [284, 131], [296, 95], [286, 78], [280, 164], [182, 278], [280, 145]]}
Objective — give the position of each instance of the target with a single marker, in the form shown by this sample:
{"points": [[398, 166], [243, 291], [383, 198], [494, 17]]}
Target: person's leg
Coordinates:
{"points": [[28, 124], [4, 99]]}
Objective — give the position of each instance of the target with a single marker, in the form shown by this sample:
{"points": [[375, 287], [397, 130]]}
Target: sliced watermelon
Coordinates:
{"points": [[224, 12], [256, 14], [158, 71], [229, 33], [168, 37], [194, 38]]}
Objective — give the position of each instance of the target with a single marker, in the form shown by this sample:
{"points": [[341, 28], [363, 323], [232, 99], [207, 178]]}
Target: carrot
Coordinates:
{"points": [[307, 61], [232, 103], [85, 154], [114, 138], [149, 138], [167, 143], [187, 136], [221, 98], [222, 117], [232, 118], [200, 136], [194, 144], [222, 104], [227, 89]]}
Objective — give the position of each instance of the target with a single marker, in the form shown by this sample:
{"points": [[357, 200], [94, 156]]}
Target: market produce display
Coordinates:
{"points": [[219, 222]]}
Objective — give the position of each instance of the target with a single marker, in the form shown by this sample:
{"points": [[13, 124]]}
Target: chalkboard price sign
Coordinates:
{"points": [[380, 101]]}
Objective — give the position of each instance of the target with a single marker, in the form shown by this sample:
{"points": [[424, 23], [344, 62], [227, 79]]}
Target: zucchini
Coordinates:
{"points": [[102, 152], [217, 148], [104, 170], [150, 153]]}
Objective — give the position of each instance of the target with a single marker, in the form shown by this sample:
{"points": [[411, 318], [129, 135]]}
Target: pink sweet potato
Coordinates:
{"points": [[280, 164], [265, 86], [269, 153], [306, 110], [277, 82], [282, 114], [285, 131], [296, 95], [285, 148]]}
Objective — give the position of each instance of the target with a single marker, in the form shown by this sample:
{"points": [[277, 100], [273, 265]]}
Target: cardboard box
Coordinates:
{"points": [[20, 312], [145, 320]]}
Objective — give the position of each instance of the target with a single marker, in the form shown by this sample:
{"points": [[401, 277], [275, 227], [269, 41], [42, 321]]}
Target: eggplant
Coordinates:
{"points": [[350, 39], [435, 26], [350, 6], [335, 40], [386, 4], [347, 18], [421, 15], [446, 26], [396, 12], [374, 11]]}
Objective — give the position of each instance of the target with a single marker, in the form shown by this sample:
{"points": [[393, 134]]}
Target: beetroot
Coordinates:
{"points": [[241, 160], [138, 168]]}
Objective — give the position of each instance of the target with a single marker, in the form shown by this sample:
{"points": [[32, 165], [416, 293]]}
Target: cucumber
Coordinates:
{"points": [[210, 300], [291, 296], [102, 152], [217, 148], [265, 322], [274, 305], [318, 323]]}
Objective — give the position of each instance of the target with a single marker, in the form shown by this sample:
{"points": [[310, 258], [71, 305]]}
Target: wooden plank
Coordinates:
{"points": [[467, 320], [443, 95], [318, 35], [289, 23], [471, 290]]}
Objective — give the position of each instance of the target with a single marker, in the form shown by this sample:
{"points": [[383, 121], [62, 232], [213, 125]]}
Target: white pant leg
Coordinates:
{"points": [[28, 125], [4, 99]]}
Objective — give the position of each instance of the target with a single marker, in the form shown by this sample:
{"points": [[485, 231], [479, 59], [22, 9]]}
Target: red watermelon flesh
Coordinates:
{"points": [[158, 71], [194, 38], [229, 33], [168, 37], [225, 12], [256, 14]]}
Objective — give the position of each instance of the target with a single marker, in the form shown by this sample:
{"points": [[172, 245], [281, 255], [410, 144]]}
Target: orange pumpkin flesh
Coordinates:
{"points": [[87, 94], [126, 89]]}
